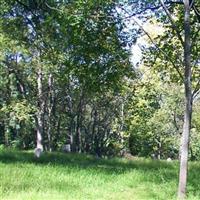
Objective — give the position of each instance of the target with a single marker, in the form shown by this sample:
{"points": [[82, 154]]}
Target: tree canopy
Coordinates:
{"points": [[67, 78]]}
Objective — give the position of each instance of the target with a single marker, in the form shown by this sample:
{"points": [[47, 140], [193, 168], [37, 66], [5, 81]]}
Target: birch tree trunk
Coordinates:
{"points": [[50, 109], [79, 124], [40, 111], [188, 108]]}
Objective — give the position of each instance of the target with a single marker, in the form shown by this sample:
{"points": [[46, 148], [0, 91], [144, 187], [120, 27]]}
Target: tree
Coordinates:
{"points": [[188, 101], [70, 53], [186, 73]]}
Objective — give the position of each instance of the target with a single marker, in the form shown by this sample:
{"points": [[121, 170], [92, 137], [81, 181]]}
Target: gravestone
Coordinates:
{"points": [[169, 159], [37, 152], [66, 148]]}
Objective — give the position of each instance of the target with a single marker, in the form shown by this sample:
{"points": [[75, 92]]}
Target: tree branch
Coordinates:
{"points": [[196, 12], [165, 55], [172, 22], [196, 89]]}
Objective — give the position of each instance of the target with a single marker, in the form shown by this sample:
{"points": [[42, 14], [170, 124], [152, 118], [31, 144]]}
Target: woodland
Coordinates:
{"points": [[108, 78]]}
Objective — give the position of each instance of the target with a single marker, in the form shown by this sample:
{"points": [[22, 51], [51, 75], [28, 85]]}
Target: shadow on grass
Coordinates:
{"points": [[83, 161], [154, 171]]}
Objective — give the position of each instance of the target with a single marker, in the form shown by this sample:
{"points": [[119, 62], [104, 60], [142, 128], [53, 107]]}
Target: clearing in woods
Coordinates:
{"points": [[75, 176]]}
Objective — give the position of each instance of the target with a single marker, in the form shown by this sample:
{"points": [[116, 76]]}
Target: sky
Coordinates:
{"points": [[153, 30]]}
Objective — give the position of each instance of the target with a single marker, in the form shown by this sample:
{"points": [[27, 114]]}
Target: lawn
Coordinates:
{"points": [[74, 176]]}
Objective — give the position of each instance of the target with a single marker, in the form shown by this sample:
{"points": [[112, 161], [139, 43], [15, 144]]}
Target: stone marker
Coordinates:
{"points": [[66, 148], [169, 159], [38, 152]]}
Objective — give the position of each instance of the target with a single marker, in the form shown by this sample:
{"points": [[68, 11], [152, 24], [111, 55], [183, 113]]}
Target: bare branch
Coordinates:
{"points": [[172, 22], [152, 41], [196, 89], [53, 8], [196, 12], [23, 4]]}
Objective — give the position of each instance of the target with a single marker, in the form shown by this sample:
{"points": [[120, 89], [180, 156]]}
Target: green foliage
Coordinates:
{"points": [[155, 120], [18, 112], [77, 48]]}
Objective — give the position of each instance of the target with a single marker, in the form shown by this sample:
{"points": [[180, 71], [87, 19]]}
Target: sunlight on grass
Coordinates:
{"points": [[72, 176]]}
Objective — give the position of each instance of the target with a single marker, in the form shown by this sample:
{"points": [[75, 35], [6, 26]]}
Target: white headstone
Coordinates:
{"points": [[169, 159], [38, 152], [66, 148]]}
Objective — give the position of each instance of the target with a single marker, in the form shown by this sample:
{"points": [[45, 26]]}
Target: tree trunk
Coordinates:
{"points": [[40, 111], [55, 139], [71, 130], [71, 135], [79, 124], [188, 108], [159, 149], [50, 109]]}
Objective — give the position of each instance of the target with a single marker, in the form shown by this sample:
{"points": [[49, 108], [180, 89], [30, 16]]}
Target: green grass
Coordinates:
{"points": [[77, 177]]}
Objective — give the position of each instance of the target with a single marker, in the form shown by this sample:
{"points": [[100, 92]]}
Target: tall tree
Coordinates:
{"points": [[142, 9], [70, 52], [188, 102]]}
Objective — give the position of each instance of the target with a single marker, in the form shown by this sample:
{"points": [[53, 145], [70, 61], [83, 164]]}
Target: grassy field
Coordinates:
{"points": [[71, 176]]}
